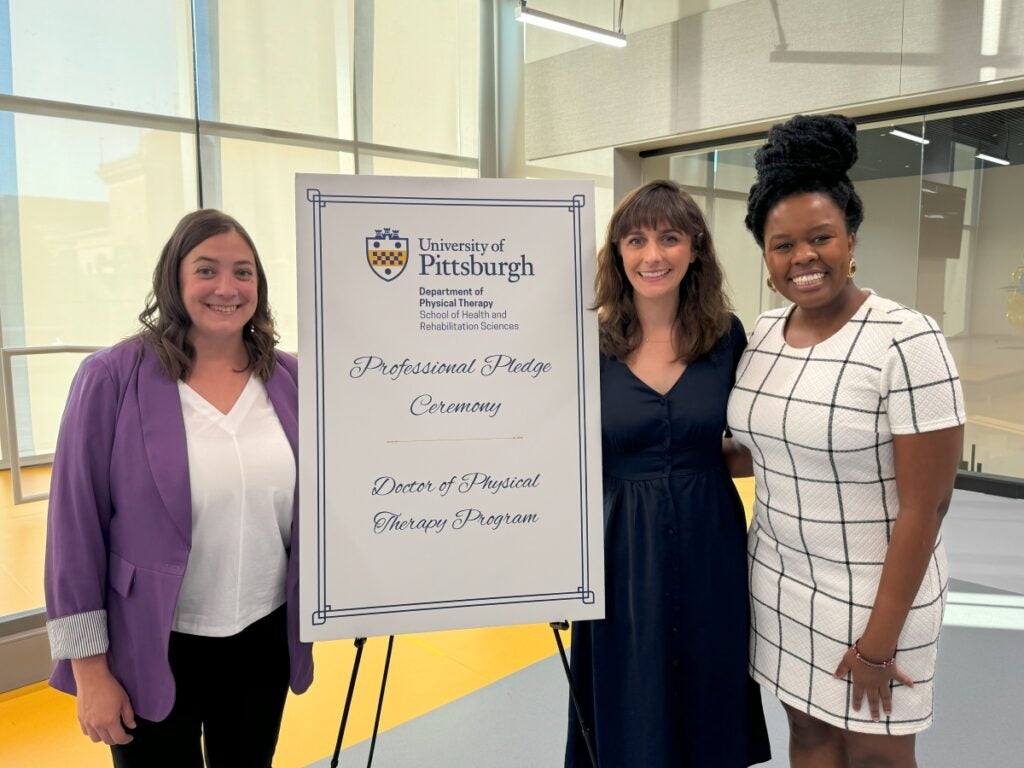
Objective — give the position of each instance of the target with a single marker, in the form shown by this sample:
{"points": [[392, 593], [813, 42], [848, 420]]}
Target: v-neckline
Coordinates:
{"points": [[235, 414], [668, 391]]}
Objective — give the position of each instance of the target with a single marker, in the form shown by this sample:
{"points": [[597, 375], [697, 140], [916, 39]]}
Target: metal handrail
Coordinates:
{"points": [[12, 430]]}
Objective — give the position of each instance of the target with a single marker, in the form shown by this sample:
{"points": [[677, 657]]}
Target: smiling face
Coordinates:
{"points": [[218, 284], [655, 261], [807, 250]]}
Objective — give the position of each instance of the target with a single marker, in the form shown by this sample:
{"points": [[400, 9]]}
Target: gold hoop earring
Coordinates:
{"points": [[853, 267], [771, 285]]}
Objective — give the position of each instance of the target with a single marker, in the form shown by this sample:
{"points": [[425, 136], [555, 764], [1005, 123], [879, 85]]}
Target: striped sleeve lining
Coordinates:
{"points": [[78, 635]]}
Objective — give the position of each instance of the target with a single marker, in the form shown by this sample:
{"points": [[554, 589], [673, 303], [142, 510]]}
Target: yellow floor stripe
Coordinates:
{"points": [[38, 726], [11, 695], [427, 671]]}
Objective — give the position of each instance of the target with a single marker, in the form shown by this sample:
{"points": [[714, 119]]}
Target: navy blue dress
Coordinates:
{"points": [[663, 678]]}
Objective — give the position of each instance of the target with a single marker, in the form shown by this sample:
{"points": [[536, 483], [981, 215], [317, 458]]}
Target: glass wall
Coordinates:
{"points": [[596, 166], [943, 233], [116, 118]]}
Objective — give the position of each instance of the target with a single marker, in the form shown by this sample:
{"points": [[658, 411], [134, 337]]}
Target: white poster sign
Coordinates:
{"points": [[450, 468]]}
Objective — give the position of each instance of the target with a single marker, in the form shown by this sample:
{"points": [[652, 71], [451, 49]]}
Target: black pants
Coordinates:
{"points": [[231, 690]]}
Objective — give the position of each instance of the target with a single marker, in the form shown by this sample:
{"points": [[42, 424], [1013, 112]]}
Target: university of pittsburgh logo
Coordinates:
{"points": [[387, 253]]}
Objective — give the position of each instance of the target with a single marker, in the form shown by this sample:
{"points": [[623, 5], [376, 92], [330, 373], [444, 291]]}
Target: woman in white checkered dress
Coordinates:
{"points": [[851, 410]]}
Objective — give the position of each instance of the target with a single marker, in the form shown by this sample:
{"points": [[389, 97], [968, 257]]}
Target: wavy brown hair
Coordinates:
{"points": [[704, 310], [165, 321]]}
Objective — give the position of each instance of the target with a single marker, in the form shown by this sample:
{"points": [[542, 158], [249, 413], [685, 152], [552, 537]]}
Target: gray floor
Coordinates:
{"points": [[519, 722]]}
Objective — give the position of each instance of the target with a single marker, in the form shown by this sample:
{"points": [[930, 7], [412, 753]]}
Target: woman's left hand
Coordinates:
{"points": [[872, 682]]}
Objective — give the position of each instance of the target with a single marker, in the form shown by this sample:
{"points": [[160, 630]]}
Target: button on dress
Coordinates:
{"points": [[663, 678]]}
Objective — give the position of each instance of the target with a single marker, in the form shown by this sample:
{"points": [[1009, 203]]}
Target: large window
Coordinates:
{"points": [[116, 118], [943, 233]]}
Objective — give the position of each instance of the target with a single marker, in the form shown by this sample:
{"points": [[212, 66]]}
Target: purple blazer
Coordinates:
{"points": [[120, 520]]}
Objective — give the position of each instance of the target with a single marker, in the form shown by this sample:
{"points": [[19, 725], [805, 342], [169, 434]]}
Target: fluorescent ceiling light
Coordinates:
{"points": [[996, 160], [910, 136], [570, 27]]}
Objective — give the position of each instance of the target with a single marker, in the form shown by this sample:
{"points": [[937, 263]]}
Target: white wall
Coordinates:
{"points": [[744, 63]]}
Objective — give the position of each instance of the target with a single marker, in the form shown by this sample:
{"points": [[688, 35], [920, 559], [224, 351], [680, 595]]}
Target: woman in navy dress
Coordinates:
{"points": [[662, 679]]}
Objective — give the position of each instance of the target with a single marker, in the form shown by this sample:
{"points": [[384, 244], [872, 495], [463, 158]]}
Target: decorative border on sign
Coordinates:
{"points": [[583, 592]]}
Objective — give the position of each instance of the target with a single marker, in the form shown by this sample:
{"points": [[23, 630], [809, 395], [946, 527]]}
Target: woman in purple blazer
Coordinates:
{"points": [[172, 544]]}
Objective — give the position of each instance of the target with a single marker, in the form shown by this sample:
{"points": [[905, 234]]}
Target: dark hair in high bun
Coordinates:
{"points": [[809, 153]]}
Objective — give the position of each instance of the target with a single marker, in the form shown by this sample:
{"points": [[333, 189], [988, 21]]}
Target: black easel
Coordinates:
{"points": [[380, 700], [359, 643], [584, 730]]}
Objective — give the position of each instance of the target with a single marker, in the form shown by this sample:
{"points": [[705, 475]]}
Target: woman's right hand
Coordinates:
{"points": [[103, 704]]}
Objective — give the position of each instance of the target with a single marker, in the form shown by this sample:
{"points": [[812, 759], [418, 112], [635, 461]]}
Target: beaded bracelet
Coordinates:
{"points": [[877, 665]]}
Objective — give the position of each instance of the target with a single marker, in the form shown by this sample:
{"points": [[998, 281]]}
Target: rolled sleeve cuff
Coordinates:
{"points": [[78, 635]]}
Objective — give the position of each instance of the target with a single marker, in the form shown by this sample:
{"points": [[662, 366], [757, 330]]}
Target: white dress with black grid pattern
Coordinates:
{"points": [[819, 423]]}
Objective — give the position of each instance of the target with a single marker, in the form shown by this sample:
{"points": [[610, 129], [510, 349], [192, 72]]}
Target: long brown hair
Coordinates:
{"points": [[703, 316], [165, 321]]}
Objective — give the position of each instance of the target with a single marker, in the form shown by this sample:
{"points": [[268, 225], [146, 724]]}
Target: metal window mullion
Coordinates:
{"points": [[510, 97], [329, 143], [400, 153], [362, 83], [27, 105], [487, 109], [122, 117]]}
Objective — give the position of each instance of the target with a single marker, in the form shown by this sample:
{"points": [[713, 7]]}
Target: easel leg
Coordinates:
{"points": [[380, 701], [360, 642], [584, 730]]}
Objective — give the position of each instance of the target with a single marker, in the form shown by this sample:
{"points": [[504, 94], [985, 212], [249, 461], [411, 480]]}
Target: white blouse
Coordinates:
{"points": [[242, 477]]}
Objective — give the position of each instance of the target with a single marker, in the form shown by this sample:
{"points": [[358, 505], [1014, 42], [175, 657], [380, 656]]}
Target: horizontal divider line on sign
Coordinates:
{"points": [[453, 439]]}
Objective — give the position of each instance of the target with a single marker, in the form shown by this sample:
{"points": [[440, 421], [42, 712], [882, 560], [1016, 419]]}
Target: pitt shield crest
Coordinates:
{"points": [[387, 253]]}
